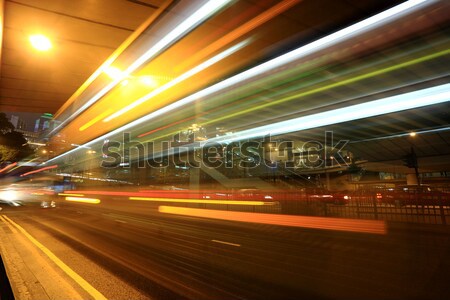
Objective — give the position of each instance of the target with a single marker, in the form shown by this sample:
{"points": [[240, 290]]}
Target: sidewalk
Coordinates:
{"points": [[32, 271]]}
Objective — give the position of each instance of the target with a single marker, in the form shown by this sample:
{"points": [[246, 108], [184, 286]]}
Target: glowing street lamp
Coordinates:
{"points": [[40, 42]]}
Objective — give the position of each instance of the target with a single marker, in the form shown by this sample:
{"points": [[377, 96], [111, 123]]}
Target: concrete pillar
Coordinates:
{"points": [[2, 26], [194, 179], [411, 179], [328, 180]]}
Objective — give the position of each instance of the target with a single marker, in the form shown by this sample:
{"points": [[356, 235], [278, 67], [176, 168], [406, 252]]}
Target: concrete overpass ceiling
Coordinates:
{"points": [[86, 32]]}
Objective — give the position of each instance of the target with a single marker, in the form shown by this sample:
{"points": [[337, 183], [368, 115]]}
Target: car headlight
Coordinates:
{"points": [[9, 195]]}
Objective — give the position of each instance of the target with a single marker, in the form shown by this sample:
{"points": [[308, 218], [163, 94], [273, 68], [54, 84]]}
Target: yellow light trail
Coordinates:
{"points": [[326, 42], [95, 120], [232, 202], [125, 44], [204, 12], [18, 166], [204, 65], [70, 195], [83, 200]]}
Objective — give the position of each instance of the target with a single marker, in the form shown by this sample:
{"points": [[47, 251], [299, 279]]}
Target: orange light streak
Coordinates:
{"points": [[240, 31], [209, 201], [352, 225], [8, 167], [39, 170], [177, 196]]}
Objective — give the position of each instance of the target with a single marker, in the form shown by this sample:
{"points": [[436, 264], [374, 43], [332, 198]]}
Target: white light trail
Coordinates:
{"points": [[416, 99], [371, 23], [179, 79], [183, 28]]}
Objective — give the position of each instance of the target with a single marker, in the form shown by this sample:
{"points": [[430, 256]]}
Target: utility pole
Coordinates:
{"points": [[410, 161]]}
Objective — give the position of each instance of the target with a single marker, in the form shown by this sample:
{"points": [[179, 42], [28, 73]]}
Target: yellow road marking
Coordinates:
{"points": [[71, 273], [9, 225]]}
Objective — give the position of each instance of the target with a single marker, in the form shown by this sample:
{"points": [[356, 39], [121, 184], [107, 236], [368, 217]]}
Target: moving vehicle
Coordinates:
{"points": [[413, 195]]}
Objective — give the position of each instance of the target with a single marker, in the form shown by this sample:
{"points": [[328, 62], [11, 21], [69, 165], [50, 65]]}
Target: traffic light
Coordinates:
{"points": [[410, 160]]}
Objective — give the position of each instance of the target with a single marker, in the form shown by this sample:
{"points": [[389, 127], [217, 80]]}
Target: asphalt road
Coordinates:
{"points": [[129, 250]]}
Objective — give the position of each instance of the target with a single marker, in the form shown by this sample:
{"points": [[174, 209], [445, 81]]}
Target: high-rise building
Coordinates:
{"points": [[18, 122], [43, 122]]}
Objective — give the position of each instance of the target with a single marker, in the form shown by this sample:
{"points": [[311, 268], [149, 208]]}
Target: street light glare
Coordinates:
{"points": [[149, 81], [40, 42], [114, 73]]}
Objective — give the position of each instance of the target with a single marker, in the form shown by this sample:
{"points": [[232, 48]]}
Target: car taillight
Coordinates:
{"points": [[379, 196]]}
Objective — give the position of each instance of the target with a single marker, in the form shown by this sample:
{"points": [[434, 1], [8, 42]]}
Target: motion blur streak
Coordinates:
{"points": [[70, 195], [420, 98], [112, 58], [226, 243], [320, 44], [83, 200], [8, 167], [168, 126], [197, 17], [199, 114], [179, 79], [39, 170], [238, 32], [95, 120], [20, 165], [109, 193], [353, 225], [333, 85], [233, 202]]}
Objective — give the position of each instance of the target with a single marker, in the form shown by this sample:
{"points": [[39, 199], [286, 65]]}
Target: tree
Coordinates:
{"points": [[5, 124], [13, 146]]}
